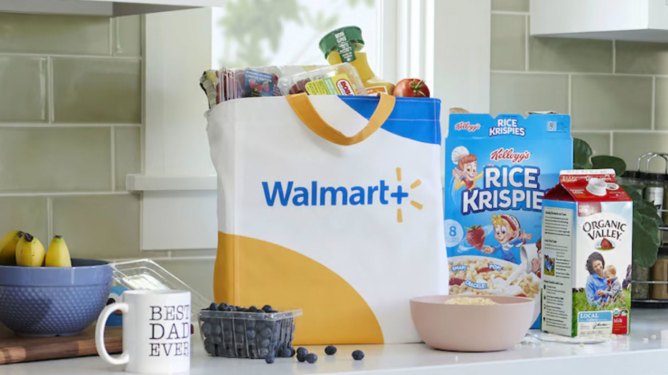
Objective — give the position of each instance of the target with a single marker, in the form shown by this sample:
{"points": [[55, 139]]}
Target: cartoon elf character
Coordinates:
{"points": [[510, 236], [466, 172]]}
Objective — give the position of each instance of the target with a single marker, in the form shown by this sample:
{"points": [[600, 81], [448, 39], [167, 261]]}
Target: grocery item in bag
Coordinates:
{"points": [[345, 45], [587, 238], [497, 171], [332, 205]]}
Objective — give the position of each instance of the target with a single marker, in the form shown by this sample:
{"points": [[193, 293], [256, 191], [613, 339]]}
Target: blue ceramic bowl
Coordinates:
{"points": [[53, 301]]}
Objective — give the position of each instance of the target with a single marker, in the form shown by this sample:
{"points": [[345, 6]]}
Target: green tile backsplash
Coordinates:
{"points": [[104, 226], [23, 96], [570, 55], [611, 102], [521, 93], [56, 34], [126, 36], [70, 132], [599, 142], [642, 58], [508, 42], [661, 104], [43, 159], [25, 213], [511, 5], [616, 92], [127, 154], [97, 90], [629, 146]]}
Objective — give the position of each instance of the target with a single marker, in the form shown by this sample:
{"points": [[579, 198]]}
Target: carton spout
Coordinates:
{"points": [[597, 186]]}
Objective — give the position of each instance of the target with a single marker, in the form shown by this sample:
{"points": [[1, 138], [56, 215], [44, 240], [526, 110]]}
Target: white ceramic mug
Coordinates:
{"points": [[156, 331]]}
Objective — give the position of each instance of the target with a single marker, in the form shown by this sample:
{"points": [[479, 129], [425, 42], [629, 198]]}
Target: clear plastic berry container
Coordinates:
{"points": [[254, 335]]}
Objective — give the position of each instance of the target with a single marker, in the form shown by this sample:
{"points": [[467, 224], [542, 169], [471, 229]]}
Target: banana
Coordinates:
{"points": [[31, 252], [19, 246], [8, 247], [58, 255]]}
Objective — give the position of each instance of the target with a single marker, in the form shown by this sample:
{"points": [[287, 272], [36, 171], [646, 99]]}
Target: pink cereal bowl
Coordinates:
{"points": [[472, 328]]}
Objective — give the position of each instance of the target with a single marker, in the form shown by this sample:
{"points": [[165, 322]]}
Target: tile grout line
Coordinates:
{"points": [[611, 147], [64, 194], [112, 141], [64, 125], [653, 103], [526, 43], [509, 13], [595, 74], [614, 56], [71, 56], [49, 90], [111, 36], [49, 218], [570, 94]]}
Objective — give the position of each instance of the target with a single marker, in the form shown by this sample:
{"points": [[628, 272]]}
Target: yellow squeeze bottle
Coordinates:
{"points": [[345, 45]]}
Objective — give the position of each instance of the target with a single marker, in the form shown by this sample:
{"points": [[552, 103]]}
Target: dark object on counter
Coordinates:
{"points": [[330, 350], [358, 355], [311, 358]]}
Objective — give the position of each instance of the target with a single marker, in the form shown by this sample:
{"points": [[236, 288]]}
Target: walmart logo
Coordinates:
{"points": [[289, 193]]}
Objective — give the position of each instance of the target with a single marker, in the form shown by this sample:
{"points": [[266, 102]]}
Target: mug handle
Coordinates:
{"points": [[99, 334]]}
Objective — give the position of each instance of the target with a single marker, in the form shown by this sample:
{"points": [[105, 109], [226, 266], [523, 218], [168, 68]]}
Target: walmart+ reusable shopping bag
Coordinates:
{"points": [[332, 205]]}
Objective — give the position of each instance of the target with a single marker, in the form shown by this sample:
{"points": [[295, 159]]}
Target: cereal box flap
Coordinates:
{"points": [[508, 125], [589, 185]]}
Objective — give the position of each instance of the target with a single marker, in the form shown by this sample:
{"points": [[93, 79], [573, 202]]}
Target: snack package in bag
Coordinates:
{"points": [[332, 205], [497, 170]]}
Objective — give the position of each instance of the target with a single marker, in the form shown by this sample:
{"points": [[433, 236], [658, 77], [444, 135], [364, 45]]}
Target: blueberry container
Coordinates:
{"points": [[254, 335]]}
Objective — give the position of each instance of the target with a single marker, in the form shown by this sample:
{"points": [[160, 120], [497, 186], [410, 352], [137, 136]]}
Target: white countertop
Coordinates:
{"points": [[644, 351]]}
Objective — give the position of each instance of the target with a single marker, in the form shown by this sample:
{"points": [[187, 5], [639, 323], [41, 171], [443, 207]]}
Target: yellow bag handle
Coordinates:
{"points": [[303, 108]]}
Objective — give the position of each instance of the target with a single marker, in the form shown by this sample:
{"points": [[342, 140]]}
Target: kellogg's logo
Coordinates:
{"points": [[507, 126], [467, 126], [509, 154]]}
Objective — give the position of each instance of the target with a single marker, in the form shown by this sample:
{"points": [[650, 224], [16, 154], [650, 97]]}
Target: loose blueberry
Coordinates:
{"points": [[330, 350], [301, 357], [285, 352], [358, 355], [302, 351], [292, 351], [311, 358], [269, 359]]}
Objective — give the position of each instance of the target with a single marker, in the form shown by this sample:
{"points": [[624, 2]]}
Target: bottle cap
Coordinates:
{"points": [[345, 40]]}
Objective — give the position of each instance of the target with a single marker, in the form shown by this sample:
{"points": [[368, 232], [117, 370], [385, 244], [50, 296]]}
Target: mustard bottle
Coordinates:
{"points": [[345, 45]]}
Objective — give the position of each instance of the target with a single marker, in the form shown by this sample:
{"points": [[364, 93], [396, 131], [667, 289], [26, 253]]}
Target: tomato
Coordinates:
{"points": [[411, 87]]}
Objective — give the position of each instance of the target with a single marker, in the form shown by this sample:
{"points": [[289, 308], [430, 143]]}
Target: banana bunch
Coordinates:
{"points": [[23, 249]]}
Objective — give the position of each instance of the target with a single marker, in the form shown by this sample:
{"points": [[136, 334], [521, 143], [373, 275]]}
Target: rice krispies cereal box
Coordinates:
{"points": [[587, 242], [497, 170]]}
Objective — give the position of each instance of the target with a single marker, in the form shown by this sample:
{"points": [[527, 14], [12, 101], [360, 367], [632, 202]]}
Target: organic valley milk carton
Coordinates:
{"points": [[496, 173], [587, 232]]}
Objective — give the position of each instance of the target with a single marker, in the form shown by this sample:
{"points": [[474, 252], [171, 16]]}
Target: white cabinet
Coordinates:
{"points": [[635, 20], [108, 8]]}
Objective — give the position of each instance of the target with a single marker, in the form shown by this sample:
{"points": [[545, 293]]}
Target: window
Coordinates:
{"points": [[444, 41]]}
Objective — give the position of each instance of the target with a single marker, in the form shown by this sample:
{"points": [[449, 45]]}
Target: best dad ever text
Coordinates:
{"points": [[170, 327]]}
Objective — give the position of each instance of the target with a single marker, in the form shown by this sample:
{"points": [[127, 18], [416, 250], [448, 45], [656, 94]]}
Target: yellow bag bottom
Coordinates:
{"points": [[254, 272]]}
